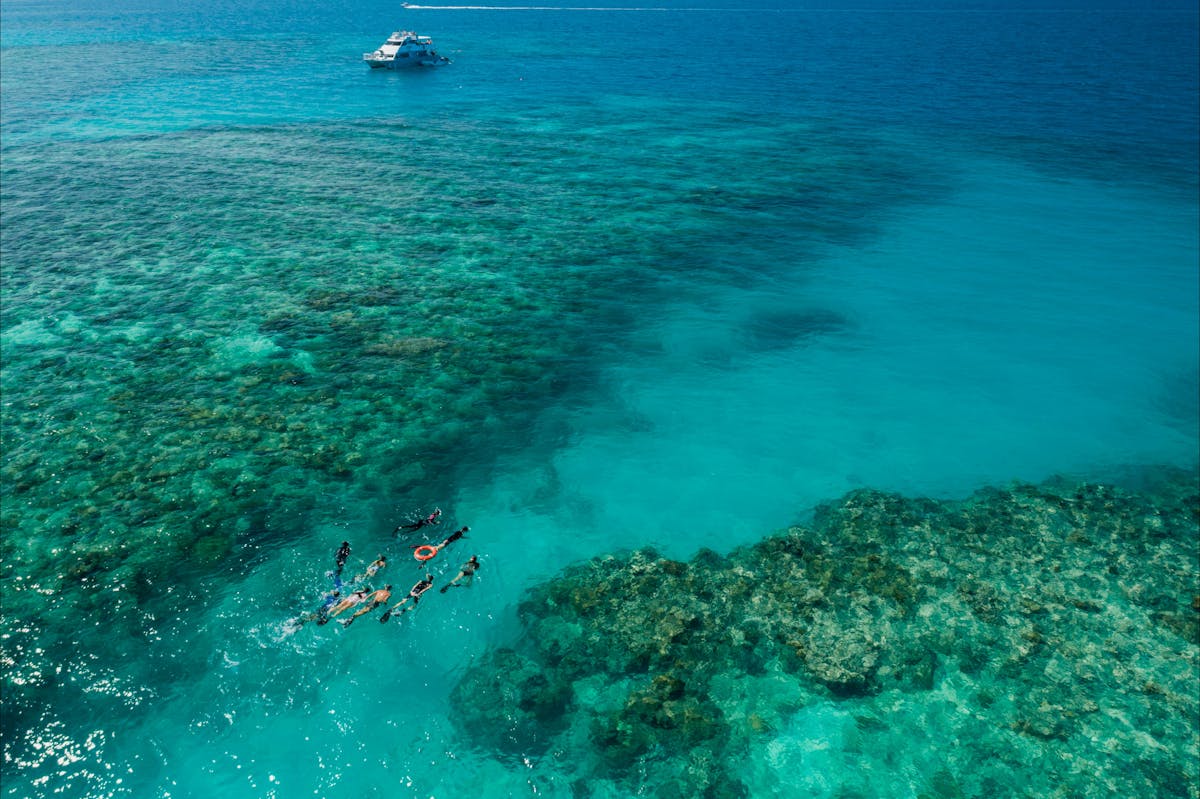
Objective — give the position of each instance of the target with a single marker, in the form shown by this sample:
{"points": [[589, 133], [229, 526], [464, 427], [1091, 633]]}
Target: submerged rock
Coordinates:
{"points": [[508, 702], [1052, 625]]}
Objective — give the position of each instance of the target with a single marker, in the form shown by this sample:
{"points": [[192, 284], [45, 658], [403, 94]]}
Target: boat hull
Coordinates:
{"points": [[409, 63]]}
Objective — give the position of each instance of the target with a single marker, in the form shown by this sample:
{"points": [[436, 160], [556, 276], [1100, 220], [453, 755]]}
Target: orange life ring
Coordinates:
{"points": [[424, 552]]}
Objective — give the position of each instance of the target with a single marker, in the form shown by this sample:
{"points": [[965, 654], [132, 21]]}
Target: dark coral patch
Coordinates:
{"points": [[1036, 595]]}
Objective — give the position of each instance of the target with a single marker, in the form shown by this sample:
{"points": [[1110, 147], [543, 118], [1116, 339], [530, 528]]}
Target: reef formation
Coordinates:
{"points": [[1035, 640]]}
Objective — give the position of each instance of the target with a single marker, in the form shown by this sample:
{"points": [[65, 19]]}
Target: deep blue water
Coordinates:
{"points": [[615, 277]]}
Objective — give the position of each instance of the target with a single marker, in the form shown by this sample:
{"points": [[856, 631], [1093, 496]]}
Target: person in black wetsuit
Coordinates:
{"points": [[432, 518], [457, 534], [342, 553], [414, 594]]}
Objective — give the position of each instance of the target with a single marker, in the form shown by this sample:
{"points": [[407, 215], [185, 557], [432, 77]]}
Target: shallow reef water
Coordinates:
{"points": [[258, 299], [256, 334], [224, 341], [1032, 640]]}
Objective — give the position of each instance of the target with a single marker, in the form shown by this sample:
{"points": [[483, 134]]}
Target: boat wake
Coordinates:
{"points": [[549, 8]]}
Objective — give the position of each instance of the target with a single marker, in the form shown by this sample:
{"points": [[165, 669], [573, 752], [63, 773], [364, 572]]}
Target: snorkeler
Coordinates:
{"points": [[433, 518], [466, 572], [375, 566], [414, 594], [378, 598], [457, 534], [348, 602], [342, 553], [318, 614], [424, 552]]}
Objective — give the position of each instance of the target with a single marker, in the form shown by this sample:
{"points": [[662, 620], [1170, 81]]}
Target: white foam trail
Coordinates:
{"points": [[551, 8]]}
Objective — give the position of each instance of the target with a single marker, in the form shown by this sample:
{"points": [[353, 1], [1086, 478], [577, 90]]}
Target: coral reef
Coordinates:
{"points": [[1051, 630], [194, 367]]}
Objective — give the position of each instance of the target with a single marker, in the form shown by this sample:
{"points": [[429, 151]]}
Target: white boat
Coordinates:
{"points": [[405, 49]]}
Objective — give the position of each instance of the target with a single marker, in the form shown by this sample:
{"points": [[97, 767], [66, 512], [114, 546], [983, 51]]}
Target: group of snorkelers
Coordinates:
{"points": [[366, 599]]}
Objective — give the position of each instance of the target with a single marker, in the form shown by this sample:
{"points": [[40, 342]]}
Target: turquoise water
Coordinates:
{"points": [[592, 287]]}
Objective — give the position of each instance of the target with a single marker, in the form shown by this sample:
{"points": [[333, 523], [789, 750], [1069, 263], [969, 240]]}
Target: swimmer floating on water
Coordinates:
{"points": [[378, 598], [424, 552], [375, 566], [318, 614], [414, 594], [433, 518], [465, 572], [350, 601]]}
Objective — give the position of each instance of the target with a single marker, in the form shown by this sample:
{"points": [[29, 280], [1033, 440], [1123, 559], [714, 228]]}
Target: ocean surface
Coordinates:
{"points": [[617, 277]]}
